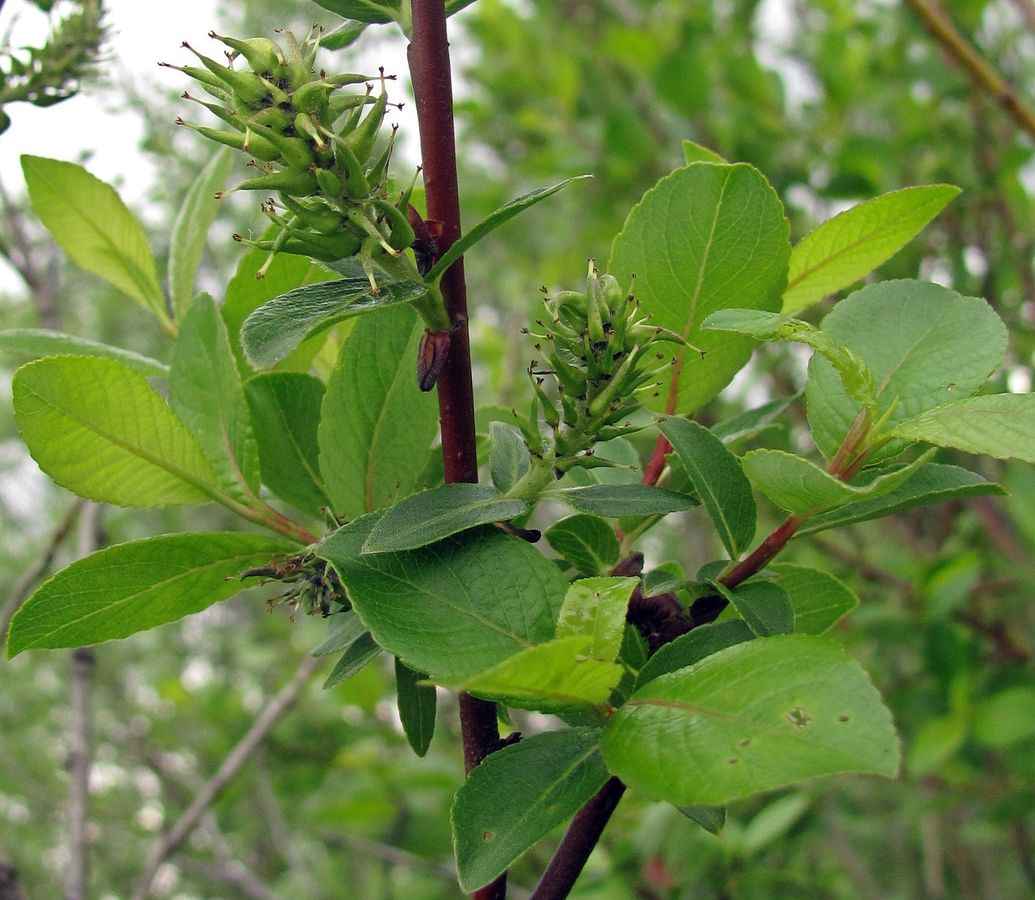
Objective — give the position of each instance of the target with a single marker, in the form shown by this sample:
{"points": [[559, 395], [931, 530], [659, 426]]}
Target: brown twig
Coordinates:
{"points": [[231, 765]]}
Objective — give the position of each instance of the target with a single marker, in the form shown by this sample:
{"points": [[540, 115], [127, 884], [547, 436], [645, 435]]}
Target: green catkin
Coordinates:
{"points": [[245, 85], [362, 138], [330, 184], [362, 221], [298, 184], [296, 153], [262, 54]]}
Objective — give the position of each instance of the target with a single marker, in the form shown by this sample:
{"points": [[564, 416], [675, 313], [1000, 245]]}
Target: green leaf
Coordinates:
{"points": [[753, 717], [344, 629], [553, 677], [99, 430], [285, 414], [455, 609], [803, 488], [764, 605], [845, 248], [931, 483], [206, 394], [245, 293], [588, 543], [718, 480], [276, 328], [857, 380], [818, 598], [358, 654], [704, 238], [190, 230], [925, 345], [127, 588], [416, 703], [999, 425], [694, 646], [1006, 718], [422, 519], [518, 795], [695, 153], [711, 818], [375, 424], [622, 499], [751, 422], [345, 35], [92, 225], [491, 223], [37, 342], [596, 608], [510, 457]]}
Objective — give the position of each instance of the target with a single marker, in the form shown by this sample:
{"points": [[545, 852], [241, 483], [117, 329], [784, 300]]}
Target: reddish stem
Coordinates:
{"points": [[656, 464]]}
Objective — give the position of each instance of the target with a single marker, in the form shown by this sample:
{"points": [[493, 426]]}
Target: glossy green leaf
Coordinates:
{"points": [[416, 703], [847, 247], [491, 223], [455, 609], [285, 415], [695, 153], [764, 605], [623, 500], [276, 328], [999, 425], [98, 429], [596, 608], [931, 483], [92, 225], [803, 488], [694, 646], [857, 380], [587, 542], [127, 588], [516, 796], [510, 457], [818, 598], [704, 238], [718, 480], [422, 519], [375, 424], [753, 717], [36, 342], [190, 230], [553, 677], [925, 345], [206, 394], [358, 654], [343, 630]]}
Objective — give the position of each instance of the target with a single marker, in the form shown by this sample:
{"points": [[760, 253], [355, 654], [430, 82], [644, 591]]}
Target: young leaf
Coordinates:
{"points": [[276, 328], [1000, 425], [694, 646], [285, 413], [588, 543], [925, 345], [751, 422], [375, 424], [190, 230], [764, 605], [367, 11], [704, 238], [36, 342], [931, 483], [596, 608], [345, 35], [206, 394], [718, 480], [99, 430], [553, 677], [455, 609], [845, 248], [753, 717], [803, 488], [510, 458], [857, 380], [416, 703], [127, 588], [517, 795], [818, 598], [491, 223], [623, 500], [359, 653], [422, 519], [344, 630], [91, 224]]}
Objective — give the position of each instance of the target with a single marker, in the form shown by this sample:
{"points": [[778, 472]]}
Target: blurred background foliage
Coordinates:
{"points": [[835, 101]]}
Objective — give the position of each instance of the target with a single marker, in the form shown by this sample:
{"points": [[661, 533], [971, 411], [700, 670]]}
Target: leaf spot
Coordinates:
{"points": [[799, 717], [488, 836], [842, 718], [733, 760], [744, 742]]}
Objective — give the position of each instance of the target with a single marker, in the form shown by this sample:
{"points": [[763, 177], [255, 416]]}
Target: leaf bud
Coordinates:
{"points": [[432, 354]]}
